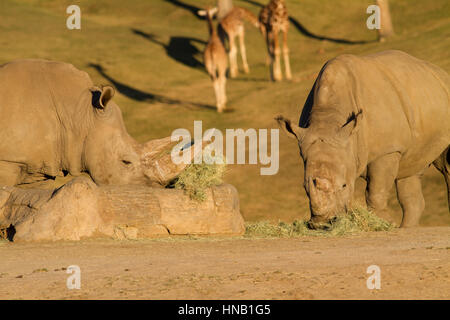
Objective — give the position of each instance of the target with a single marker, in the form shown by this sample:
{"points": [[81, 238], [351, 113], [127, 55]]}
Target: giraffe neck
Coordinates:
{"points": [[210, 24]]}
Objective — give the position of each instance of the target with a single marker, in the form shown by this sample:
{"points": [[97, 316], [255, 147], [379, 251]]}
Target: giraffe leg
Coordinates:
{"points": [[233, 56], [287, 63], [276, 73], [218, 94], [243, 51], [265, 37], [222, 88], [216, 86], [270, 50]]}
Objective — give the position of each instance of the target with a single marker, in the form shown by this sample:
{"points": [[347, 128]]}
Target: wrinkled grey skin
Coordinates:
{"points": [[383, 117], [54, 121]]}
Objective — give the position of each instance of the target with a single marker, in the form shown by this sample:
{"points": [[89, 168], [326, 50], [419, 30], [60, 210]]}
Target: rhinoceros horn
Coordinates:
{"points": [[157, 160]]}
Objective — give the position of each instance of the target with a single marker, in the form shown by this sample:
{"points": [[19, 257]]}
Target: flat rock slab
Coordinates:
{"points": [[81, 209]]}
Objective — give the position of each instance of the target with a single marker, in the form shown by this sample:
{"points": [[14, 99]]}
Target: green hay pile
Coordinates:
{"points": [[197, 178], [356, 221]]}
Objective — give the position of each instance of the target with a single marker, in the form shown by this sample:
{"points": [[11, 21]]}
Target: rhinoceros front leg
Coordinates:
{"points": [[409, 193], [381, 175]]}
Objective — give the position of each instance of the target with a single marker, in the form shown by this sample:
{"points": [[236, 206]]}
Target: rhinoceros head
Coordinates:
{"points": [[330, 167], [112, 156]]}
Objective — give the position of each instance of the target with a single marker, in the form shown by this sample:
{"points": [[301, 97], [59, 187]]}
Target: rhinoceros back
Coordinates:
{"points": [[411, 108], [42, 105]]}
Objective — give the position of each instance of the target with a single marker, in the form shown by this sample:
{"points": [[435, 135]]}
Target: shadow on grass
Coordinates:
{"points": [[188, 7], [143, 96], [310, 34], [181, 49]]}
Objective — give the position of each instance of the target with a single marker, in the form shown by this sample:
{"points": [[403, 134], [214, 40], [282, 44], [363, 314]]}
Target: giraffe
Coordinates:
{"points": [[231, 26], [215, 60], [274, 18]]}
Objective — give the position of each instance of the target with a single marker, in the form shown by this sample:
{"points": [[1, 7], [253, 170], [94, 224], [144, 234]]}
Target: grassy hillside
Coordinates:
{"points": [[150, 50]]}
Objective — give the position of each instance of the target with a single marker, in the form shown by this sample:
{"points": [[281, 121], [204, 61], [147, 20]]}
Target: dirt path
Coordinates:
{"points": [[415, 264]]}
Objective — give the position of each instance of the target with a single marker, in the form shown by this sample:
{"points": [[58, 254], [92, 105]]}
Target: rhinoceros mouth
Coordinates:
{"points": [[321, 223]]}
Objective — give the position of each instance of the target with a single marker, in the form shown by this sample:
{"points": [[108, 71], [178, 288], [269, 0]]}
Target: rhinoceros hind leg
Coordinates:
{"points": [[10, 173], [409, 193], [443, 165], [381, 175]]}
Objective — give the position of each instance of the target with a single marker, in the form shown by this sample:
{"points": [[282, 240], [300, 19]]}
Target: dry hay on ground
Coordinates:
{"points": [[356, 221]]}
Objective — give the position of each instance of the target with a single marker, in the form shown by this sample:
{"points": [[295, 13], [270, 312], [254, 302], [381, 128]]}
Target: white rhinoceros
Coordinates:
{"points": [[54, 121], [384, 117]]}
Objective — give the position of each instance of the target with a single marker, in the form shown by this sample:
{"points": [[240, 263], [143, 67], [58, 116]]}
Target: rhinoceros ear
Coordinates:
{"points": [[292, 130], [352, 125], [101, 96]]}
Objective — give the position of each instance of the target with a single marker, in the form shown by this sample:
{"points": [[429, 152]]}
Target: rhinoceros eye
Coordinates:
{"points": [[344, 186], [126, 162]]}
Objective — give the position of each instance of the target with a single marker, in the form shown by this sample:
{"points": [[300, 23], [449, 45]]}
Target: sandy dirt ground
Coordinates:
{"points": [[414, 264]]}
